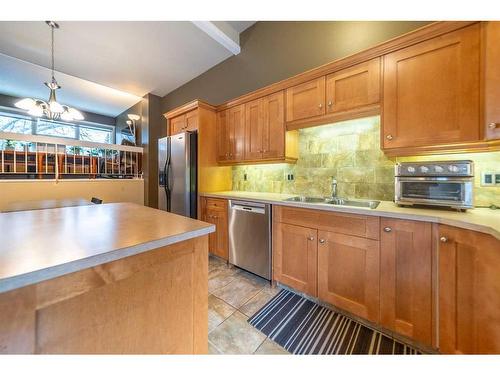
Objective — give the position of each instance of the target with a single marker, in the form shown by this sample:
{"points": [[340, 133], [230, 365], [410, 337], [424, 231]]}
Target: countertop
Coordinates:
{"points": [[43, 244], [482, 220]]}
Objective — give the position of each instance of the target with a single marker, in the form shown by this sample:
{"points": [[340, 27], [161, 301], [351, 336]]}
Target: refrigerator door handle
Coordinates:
{"points": [[166, 185]]}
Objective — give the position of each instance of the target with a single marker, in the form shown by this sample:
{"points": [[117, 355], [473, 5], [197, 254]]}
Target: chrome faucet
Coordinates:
{"points": [[334, 188]]}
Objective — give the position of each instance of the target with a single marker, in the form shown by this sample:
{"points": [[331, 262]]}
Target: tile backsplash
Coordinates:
{"points": [[349, 152]]}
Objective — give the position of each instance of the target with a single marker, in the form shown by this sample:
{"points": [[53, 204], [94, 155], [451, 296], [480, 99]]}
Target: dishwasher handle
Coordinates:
{"points": [[252, 209]]}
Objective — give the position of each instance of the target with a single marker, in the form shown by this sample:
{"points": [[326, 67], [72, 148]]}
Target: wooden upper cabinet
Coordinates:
{"points": [[406, 278], [348, 273], [273, 133], [191, 121], [222, 131], [305, 100], [236, 129], [491, 79], [353, 87], [295, 257], [431, 91], [469, 292], [254, 124], [177, 124]]}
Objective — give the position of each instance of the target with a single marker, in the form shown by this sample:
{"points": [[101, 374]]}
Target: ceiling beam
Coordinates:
{"points": [[222, 33]]}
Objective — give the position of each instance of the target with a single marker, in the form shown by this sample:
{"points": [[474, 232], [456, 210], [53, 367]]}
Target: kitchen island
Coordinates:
{"points": [[113, 278]]}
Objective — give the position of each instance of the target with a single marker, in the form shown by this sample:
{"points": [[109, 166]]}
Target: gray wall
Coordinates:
{"points": [[273, 51]]}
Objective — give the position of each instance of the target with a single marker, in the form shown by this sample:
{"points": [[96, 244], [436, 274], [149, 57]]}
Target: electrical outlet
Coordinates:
{"points": [[490, 178]]}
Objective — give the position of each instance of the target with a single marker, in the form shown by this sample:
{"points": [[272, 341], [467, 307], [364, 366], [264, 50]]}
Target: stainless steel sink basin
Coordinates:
{"points": [[308, 199], [336, 201]]}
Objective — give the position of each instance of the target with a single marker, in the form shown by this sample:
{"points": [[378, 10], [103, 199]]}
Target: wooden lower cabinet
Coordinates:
{"points": [[295, 257], [348, 273], [469, 292], [406, 261], [215, 211]]}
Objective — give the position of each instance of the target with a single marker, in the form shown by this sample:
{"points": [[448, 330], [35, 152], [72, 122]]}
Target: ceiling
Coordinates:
{"points": [[105, 67]]}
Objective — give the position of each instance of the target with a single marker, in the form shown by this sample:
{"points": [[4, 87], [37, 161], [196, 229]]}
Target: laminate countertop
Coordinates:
{"points": [[483, 220], [43, 244]]}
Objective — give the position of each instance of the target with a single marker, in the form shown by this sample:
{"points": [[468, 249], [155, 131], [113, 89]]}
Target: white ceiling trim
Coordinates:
{"points": [[222, 33]]}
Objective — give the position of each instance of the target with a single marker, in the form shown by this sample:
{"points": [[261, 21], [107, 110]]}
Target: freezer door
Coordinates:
{"points": [[163, 169], [183, 174]]}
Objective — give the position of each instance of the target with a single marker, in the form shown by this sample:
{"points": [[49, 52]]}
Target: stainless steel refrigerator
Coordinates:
{"points": [[177, 192]]}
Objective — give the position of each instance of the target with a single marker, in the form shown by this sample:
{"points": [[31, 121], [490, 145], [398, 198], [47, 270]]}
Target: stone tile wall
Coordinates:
{"points": [[349, 152]]}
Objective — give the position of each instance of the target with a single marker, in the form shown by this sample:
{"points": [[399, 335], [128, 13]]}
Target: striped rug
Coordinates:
{"points": [[304, 327]]}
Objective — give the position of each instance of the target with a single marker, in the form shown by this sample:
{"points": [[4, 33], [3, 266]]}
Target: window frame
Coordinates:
{"points": [[9, 112]]}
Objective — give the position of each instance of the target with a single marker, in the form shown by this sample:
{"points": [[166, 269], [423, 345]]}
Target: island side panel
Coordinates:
{"points": [[147, 303]]}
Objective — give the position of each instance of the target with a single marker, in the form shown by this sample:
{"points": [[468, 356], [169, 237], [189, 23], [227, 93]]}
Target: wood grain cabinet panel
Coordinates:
{"points": [[406, 278], [191, 121], [469, 292], [295, 257], [222, 130], [273, 132], [177, 124], [305, 100], [348, 273], [236, 129], [431, 91], [254, 125], [491, 78], [215, 211], [353, 87]]}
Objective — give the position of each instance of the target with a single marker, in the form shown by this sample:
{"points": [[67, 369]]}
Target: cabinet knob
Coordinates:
{"points": [[493, 125], [389, 137], [320, 105], [330, 103], [443, 239], [310, 238], [387, 229], [321, 240]]}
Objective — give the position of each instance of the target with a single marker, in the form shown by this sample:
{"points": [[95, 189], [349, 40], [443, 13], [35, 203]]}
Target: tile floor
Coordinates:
{"points": [[234, 296]]}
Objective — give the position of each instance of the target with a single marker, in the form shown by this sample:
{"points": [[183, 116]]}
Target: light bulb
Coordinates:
{"points": [[76, 114], [25, 104], [55, 107], [36, 111]]}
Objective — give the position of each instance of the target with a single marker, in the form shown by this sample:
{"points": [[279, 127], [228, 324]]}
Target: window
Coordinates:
{"points": [[85, 132]]}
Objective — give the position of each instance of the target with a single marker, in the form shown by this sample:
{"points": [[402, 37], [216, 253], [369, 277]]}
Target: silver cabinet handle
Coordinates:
{"points": [[311, 238], [387, 229], [320, 105], [330, 103], [389, 137], [493, 125], [443, 239], [321, 240]]}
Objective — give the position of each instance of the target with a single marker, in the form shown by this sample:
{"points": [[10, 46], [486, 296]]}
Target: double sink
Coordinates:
{"points": [[335, 201]]}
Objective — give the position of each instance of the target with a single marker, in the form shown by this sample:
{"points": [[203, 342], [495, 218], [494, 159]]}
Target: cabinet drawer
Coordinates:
{"points": [[335, 222], [216, 204]]}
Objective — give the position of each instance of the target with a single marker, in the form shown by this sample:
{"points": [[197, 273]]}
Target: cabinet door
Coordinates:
{"points": [[236, 126], [491, 78], [348, 273], [295, 257], [353, 87], [177, 124], [254, 124], [306, 100], [192, 120], [406, 278], [215, 212], [469, 292], [273, 132], [431, 91], [222, 136]]}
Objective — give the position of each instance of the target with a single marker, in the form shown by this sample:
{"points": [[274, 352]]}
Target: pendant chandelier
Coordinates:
{"points": [[51, 109]]}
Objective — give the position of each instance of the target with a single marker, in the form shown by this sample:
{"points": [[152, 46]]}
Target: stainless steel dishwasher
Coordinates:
{"points": [[250, 237]]}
